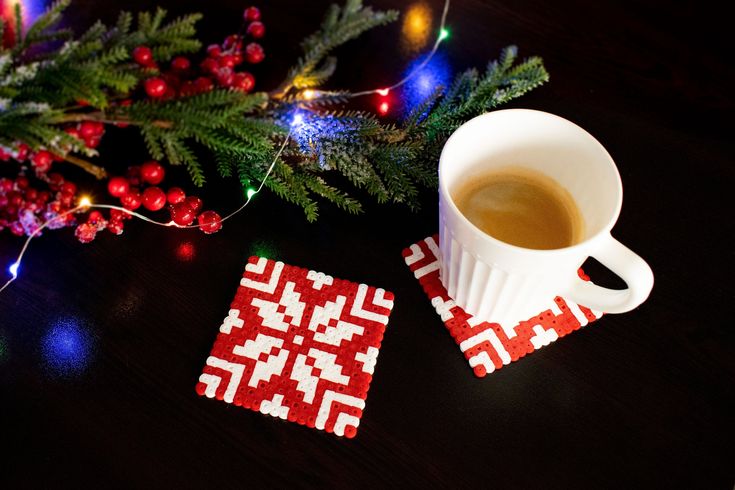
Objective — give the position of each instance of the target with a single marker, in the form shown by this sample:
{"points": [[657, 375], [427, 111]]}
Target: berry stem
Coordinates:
{"points": [[90, 167], [107, 119]]}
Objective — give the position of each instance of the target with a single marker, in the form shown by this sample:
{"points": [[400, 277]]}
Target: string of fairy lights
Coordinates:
{"points": [[297, 120]]}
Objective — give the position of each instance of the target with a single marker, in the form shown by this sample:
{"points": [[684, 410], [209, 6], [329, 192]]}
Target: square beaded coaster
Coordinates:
{"points": [[490, 346], [298, 345]]}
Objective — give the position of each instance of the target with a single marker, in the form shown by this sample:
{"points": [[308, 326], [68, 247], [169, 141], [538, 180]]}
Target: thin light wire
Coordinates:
{"points": [[19, 259], [439, 38], [35, 233]]}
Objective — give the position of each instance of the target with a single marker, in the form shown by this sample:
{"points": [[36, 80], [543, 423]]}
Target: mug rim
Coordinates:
{"points": [[444, 191]]}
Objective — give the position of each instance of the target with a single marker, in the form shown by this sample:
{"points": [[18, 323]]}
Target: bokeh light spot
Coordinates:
{"points": [[436, 73], [186, 251], [416, 28], [67, 347]]}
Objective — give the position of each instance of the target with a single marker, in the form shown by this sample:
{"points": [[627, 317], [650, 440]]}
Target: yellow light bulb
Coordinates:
{"points": [[85, 201]]}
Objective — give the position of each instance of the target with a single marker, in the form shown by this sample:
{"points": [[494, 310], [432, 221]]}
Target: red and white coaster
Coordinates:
{"points": [[490, 346], [299, 345]]}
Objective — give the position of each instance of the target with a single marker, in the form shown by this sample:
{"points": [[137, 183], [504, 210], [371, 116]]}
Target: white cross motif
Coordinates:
{"points": [[273, 318], [263, 344], [443, 308], [319, 279], [233, 320], [274, 407], [329, 369], [336, 330], [368, 359], [543, 337]]}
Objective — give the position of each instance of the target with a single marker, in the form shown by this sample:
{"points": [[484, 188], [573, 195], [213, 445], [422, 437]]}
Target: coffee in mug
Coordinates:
{"points": [[521, 207]]}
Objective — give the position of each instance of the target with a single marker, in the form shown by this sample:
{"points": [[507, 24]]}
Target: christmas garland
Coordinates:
{"points": [[58, 93]]}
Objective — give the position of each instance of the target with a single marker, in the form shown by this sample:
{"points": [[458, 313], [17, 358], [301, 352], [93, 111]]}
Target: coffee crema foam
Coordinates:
{"points": [[522, 207]]}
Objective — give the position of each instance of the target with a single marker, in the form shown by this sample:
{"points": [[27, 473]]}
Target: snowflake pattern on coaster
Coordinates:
{"points": [[490, 346], [299, 345]]}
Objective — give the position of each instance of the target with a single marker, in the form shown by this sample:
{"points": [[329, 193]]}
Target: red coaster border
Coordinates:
{"points": [[490, 346]]}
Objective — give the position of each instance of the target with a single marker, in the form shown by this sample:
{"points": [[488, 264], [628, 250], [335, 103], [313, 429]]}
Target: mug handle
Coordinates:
{"points": [[628, 266]]}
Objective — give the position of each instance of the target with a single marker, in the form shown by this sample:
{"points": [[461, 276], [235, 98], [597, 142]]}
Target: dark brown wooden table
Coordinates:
{"points": [[640, 400]]}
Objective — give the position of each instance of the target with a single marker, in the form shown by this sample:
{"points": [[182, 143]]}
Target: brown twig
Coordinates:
{"points": [[90, 167], [105, 118]]}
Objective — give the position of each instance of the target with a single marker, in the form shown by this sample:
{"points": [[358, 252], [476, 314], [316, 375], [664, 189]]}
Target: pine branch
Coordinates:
{"points": [[340, 25], [85, 79]]}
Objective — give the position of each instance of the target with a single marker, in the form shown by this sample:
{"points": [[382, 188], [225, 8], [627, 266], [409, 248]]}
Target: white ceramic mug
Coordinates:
{"points": [[495, 281]]}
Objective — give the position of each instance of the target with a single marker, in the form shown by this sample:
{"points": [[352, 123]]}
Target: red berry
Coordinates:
{"points": [[90, 129], [143, 55], [243, 81], [203, 84], [225, 77], [251, 13], [180, 63], [233, 42], [115, 226], [117, 215], [175, 195], [68, 188], [23, 151], [155, 87], [227, 60], [254, 53], [214, 50], [95, 216], [182, 214], [97, 220], [154, 198], [256, 30], [194, 203], [15, 198], [209, 65], [118, 186], [41, 161], [16, 229], [85, 232], [6, 185], [22, 182], [152, 172], [54, 180], [132, 200], [65, 199], [209, 222], [92, 142]]}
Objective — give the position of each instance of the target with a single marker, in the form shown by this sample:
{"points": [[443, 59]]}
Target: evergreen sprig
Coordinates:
{"points": [[47, 73]]}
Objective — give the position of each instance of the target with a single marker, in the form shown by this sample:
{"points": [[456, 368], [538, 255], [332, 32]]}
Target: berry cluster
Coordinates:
{"points": [[140, 187], [24, 208], [218, 68], [88, 133]]}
